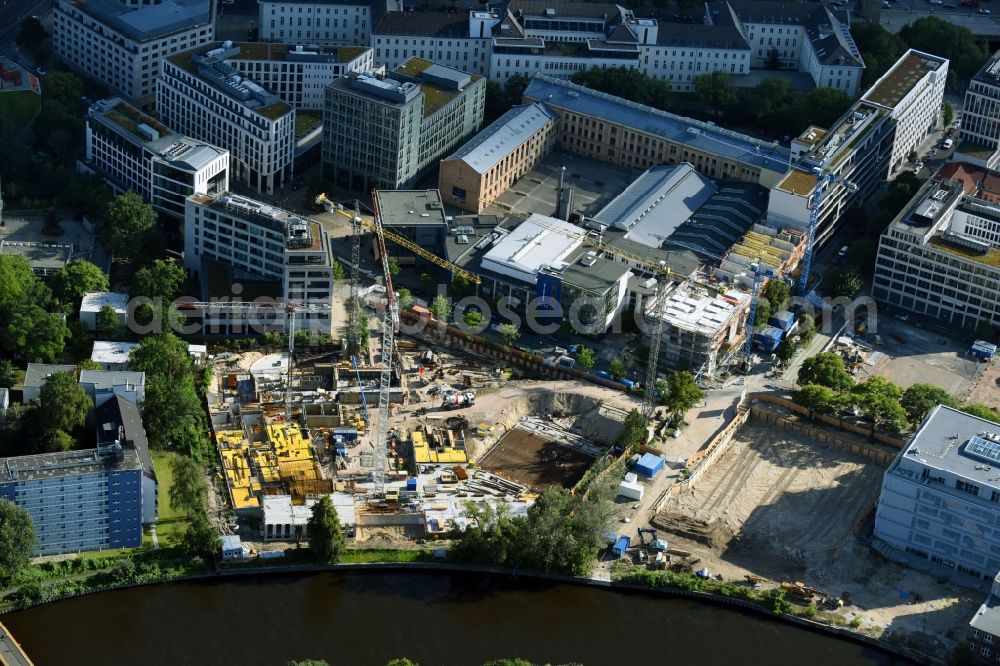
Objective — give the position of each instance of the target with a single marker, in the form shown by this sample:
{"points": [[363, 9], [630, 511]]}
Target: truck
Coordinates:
{"points": [[458, 400]]}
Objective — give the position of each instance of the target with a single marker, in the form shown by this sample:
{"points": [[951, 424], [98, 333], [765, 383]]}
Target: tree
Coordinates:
{"points": [[130, 220], [846, 283], [716, 91], [984, 329], [18, 284], [825, 369], [982, 411], [8, 373], [64, 403], [777, 293], [786, 350], [635, 427], [75, 279], [65, 88], [201, 539], [816, 398], [326, 537], [823, 106], [404, 297], [441, 308], [32, 36], [773, 59], [763, 313], [312, 662], [919, 399], [617, 368], [683, 393], [877, 399], [880, 49], [337, 269], [947, 113], [32, 333], [107, 321], [187, 492], [394, 268], [509, 334], [17, 539], [628, 83], [958, 44], [807, 327], [173, 414], [363, 332], [54, 441], [586, 358], [473, 319], [161, 279], [164, 355]]}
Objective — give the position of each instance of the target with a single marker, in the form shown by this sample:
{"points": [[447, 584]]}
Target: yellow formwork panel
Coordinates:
{"points": [[304, 470]]}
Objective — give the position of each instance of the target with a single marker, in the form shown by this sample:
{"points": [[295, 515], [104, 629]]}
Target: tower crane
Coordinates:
{"points": [[824, 178], [390, 323]]}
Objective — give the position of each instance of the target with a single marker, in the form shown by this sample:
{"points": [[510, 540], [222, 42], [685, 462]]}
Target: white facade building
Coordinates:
{"points": [[266, 241], [122, 46], [202, 96], [321, 21], [112, 355], [93, 301], [133, 151], [980, 129], [102, 385], [940, 499], [298, 74]]}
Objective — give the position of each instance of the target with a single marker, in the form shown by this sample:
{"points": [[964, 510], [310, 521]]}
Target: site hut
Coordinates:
{"points": [[481, 170], [615, 130], [103, 385], [940, 499], [122, 45], [388, 132], [940, 257], [545, 258], [865, 146], [92, 303], [347, 22], [979, 132], [35, 377], [283, 520], [88, 499], [298, 73], [984, 628], [202, 96], [112, 354], [134, 152], [266, 244]]}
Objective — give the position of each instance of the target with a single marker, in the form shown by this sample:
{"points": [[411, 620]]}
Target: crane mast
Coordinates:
{"points": [[390, 321]]}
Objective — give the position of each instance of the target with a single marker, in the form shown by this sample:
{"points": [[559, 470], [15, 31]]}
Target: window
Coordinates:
{"points": [[988, 639], [966, 487]]}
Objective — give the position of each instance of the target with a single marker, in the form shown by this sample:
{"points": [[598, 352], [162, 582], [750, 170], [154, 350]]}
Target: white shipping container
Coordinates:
{"points": [[631, 477], [630, 490]]}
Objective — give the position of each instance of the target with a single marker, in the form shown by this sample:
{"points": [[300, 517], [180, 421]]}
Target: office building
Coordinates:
{"points": [[123, 46], [615, 130], [940, 499], [417, 215], [866, 145], [940, 257], [984, 629], [476, 174], [298, 74], [134, 152], [202, 96], [347, 22], [266, 242], [454, 39], [388, 133], [90, 499], [979, 133]]}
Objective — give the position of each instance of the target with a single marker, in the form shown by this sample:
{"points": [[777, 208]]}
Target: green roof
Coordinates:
{"points": [[435, 98], [183, 60], [274, 111], [990, 258], [414, 67]]}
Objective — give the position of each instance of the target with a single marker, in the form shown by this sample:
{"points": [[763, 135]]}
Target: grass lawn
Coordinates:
{"points": [[171, 525], [306, 120], [20, 106]]}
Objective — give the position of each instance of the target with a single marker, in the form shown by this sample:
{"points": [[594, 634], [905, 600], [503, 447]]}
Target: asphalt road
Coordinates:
{"points": [[12, 12]]}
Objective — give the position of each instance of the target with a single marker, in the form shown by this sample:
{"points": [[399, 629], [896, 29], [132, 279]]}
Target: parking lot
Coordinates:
{"points": [[920, 355], [594, 183]]}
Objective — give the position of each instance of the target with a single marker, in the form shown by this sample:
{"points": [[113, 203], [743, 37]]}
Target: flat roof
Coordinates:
{"points": [[66, 463], [698, 309], [588, 272], [410, 208], [508, 132], [208, 63], [93, 301], [44, 257], [943, 442], [299, 233], [902, 77], [695, 134], [37, 373], [934, 200], [107, 351], [990, 71], [103, 379], [538, 241], [147, 22]]}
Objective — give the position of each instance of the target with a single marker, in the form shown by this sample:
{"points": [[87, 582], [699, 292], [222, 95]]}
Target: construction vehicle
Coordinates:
{"points": [[753, 580], [798, 589], [654, 543], [458, 400]]}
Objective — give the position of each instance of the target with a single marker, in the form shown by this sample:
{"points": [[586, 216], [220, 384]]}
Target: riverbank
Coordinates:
{"points": [[769, 604]]}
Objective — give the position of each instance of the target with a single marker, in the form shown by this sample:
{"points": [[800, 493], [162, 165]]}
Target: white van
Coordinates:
{"points": [[948, 143]]}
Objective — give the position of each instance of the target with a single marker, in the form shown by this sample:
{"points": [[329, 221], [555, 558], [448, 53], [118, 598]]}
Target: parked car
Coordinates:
{"points": [[947, 143], [983, 10]]}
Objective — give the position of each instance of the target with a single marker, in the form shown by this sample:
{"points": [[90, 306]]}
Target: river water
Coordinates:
{"points": [[435, 619]]}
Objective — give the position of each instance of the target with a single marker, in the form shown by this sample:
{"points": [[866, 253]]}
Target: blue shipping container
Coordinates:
{"points": [[768, 338], [629, 384], [603, 374], [411, 483], [621, 546], [649, 465], [783, 320], [349, 434]]}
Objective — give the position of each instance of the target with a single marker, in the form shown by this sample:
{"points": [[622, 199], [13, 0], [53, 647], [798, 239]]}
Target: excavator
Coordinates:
{"points": [[654, 543]]}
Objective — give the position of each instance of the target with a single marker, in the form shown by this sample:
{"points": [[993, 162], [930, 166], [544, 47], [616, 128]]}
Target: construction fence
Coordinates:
{"points": [[869, 452], [894, 441]]}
